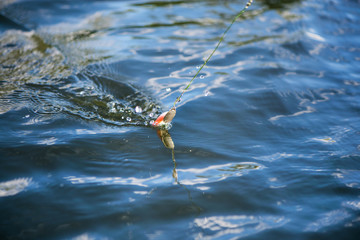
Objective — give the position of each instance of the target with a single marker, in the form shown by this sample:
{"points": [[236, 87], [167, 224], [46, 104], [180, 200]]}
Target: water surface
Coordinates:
{"points": [[266, 139]]}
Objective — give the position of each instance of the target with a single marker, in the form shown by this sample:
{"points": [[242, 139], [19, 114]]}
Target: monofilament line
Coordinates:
{"points": [[217, 46]]}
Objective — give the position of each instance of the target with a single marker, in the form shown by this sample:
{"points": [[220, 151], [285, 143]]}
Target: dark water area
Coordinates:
{"points": [[267, 138]]}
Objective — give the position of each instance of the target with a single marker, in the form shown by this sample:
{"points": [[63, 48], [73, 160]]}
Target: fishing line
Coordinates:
{"points": [[248, 4], [164, 120]]}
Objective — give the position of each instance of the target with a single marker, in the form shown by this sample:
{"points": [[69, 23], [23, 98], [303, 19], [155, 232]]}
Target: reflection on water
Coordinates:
{"points": [[328, 219], [194, 176], [13, 187], [143, 182], [168, 143], [166, 139], [233, 227], [215, 173]]}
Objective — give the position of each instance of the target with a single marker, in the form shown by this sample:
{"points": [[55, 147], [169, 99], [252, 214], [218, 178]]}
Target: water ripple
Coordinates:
{"points": [[216, 173], [143, 182]]}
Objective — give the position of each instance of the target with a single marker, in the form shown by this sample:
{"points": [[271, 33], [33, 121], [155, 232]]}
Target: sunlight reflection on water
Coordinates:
{"points": [[13, 187], [192, 176], [232, 227]]}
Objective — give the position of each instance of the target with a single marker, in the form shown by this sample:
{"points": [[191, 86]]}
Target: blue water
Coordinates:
{"points": [[267, 138]]}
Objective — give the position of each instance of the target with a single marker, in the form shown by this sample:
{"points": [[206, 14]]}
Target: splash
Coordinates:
{"points": [[36, 76]]}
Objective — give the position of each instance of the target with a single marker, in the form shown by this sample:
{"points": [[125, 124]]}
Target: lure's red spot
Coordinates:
{"points": [[160, 119], [165, 118]]}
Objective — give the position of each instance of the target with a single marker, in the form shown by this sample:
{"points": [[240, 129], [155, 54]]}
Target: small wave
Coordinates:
{"points": [[351, 178]]}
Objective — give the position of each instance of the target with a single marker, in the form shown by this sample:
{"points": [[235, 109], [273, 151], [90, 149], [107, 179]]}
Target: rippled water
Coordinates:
{"points": [[267, 139]]}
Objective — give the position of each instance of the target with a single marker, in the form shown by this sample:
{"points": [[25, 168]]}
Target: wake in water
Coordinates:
{"points": [[40, 77], [36, 76]]}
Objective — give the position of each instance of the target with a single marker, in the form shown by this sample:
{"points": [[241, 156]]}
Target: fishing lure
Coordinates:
{"points": [[165, 118]]}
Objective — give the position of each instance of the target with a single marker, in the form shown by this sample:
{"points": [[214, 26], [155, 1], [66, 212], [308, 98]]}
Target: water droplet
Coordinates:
{"points": [[111, 106], [207, 93], [145, 123], [202, 76], [152, 122], [27, 116], [197, 67], [151, 114], [168, 89], [138, 109], [168, 126], [128, 119]]}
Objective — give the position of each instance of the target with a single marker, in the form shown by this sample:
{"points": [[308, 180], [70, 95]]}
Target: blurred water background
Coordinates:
{"points": [[267, 139]]}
